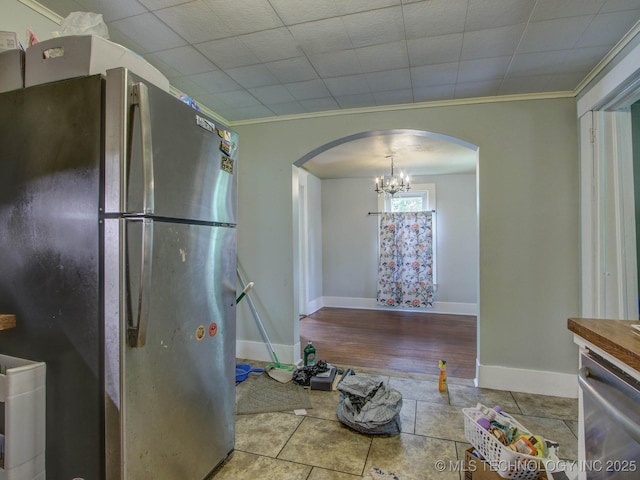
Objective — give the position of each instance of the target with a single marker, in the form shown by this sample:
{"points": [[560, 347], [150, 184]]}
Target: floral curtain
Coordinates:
{"points": [[405, 271]]}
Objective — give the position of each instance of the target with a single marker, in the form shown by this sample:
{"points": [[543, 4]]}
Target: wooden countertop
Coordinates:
{"points": [[7, 321], [616, 337]]}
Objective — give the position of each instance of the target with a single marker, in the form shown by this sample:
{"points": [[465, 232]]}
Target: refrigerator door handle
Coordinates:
{"points": [[138, 333], [140, 97]]}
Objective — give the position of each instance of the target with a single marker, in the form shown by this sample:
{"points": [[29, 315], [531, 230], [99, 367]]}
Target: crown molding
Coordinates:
{"points": [[42, 10], [408, 106]]}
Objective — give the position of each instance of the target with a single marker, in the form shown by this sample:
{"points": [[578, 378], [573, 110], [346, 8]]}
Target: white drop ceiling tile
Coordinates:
{"points": [[335, 64], [292, 70], [235, 114], [245, 16], [435, 17], [347, 85], [606, 29], [432, 75], [194, 21], [564, 82], [272, 94], [548, 9], [375, 26], [389, 80], [321, 36], [188, 86], [550, 35], [113, 9], [617, 5], [118, 37], [213, 102], [235, 99], [434, 94], [483, 69], [307, 90], [536, 63], [214, 82], [583, 59], [320, 104], [166, 69], [240, 98], [290, 108], [356, 101], [295, 11], [494, 42], [158, 4], [394, 97], [185, 60], [477, 89], [383, 57], [520, 85], [271, 45], [354, 6], [481, 14], [434, 50], [149, 32], [252, 76], [228, 53]]}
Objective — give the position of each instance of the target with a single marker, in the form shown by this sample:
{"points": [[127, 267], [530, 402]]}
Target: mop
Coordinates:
{"points": [[271, 368]]}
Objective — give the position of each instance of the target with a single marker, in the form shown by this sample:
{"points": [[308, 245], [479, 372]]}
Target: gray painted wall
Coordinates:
{"points": [[349, 246], [528, 219]]}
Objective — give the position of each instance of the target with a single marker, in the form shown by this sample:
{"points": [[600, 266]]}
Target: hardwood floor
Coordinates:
{"points": [[403, 341]]}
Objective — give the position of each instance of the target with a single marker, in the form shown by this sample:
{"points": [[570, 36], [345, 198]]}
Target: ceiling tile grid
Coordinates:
{"points": [[248, 59]]}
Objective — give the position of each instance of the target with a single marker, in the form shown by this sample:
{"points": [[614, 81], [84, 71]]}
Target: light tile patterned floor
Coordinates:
{"points": [[317, 446]]}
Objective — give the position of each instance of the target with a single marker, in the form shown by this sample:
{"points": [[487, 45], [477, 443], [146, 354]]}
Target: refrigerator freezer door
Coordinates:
{"points": [[171, 399], [164, 158], [50, 158]]}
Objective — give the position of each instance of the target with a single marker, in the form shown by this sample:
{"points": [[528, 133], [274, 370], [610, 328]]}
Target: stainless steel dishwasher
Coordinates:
{"points": [[611, 400]]}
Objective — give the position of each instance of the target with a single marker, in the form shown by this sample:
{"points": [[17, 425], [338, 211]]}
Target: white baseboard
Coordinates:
{"points": [[528, 381], [451, 308], [259, 351]]}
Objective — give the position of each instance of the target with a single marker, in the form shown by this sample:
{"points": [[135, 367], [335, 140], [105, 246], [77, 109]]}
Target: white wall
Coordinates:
{"points": [[350, 249], [311, 240], [17, 17], [528, 222]]}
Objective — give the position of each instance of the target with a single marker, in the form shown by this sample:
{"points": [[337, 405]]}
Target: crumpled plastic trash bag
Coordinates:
{"points": [[84, 23]]}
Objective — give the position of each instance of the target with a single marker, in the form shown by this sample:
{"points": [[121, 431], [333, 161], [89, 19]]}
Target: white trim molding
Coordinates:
{"points": [[450, 308], [527, 381], [259, 351]]}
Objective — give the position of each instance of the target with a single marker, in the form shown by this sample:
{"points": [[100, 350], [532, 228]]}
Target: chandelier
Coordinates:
{"points": [[390, 184]]}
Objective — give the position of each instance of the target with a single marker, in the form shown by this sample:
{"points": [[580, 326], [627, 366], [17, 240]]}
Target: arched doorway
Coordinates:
{"points": [[335, 194]]}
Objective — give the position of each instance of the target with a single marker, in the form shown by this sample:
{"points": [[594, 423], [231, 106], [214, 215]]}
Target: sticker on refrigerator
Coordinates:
{"points": [[226, 134], [213, 329], [206, 124], [226, 164], [225, 147], [200, 332]]}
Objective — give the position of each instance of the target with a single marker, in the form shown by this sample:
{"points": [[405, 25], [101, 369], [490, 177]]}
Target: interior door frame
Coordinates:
{"points": [[609, 286]]}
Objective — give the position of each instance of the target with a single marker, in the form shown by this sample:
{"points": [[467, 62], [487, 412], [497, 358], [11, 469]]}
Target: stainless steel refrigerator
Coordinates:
{"points": [[118, 257]]}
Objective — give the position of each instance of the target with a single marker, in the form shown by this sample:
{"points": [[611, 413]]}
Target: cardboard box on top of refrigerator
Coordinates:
{"points": [[11, 70], [8, 41], [82, 55]]}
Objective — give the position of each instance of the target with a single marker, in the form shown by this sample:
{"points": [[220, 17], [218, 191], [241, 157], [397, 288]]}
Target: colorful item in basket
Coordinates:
{"points": [[533, 445]]}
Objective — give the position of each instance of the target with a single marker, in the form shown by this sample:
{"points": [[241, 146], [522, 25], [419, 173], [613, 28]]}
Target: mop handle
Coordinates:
{"points": [[257, 318]]}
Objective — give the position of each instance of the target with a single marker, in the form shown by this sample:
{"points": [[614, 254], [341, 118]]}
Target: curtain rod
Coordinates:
{"points": [[380, 213]]}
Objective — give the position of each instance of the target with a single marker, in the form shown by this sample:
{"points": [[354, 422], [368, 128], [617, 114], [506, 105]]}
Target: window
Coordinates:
{"points": [[420, 198]]}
